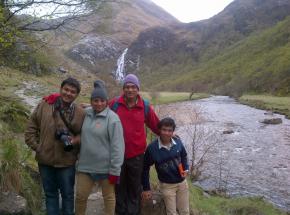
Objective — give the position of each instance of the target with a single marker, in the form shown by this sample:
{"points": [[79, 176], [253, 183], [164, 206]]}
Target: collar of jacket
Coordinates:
{"points": [[161, 145], [92, 113], [139, 104]]}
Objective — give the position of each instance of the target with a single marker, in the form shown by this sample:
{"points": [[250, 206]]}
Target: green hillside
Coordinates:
{"points": [[259, 63]]}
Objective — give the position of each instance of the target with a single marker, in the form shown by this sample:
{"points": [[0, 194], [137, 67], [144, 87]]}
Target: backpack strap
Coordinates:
{"points": [[115, 104], [146, 104], [146, 107]]}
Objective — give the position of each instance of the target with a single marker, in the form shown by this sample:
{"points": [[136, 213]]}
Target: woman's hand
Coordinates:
{"points": [[114, 179], [146, 195]]}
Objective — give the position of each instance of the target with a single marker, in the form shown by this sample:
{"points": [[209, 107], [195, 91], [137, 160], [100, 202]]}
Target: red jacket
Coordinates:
{"points": [[133, 121]]}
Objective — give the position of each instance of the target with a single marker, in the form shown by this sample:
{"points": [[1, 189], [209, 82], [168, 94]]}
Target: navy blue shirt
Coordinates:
{"points": [[166, 162]]}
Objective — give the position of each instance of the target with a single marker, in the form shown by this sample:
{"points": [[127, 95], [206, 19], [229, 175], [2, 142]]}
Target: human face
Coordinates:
{"points": [[166, 133], [99, 104], [130, 91], [68, 93]]}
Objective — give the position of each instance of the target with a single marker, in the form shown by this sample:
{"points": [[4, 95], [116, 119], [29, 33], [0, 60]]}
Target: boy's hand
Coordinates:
{"points": [[184, 174], [146, 195]]}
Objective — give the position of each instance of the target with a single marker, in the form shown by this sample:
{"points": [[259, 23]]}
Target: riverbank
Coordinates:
{"points": [[202, 203], [270, 103]]}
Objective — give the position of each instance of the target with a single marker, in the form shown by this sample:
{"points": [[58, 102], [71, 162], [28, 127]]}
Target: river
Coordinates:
{"points": [[255, 158]]}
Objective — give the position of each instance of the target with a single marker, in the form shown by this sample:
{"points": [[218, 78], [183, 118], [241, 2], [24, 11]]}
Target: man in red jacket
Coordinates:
{"points": [[134, 113]]}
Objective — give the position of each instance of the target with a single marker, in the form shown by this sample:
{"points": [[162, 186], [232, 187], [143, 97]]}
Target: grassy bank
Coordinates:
{"points": [[16, 160], [215, 205], [17, 164], [268, 102]]}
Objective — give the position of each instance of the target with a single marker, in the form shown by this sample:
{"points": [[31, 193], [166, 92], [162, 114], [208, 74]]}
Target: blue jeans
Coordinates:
{"points": [[54, 180]]}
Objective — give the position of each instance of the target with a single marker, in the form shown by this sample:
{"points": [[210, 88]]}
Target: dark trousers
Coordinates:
{"points": [[128, 192], [55, 180]]}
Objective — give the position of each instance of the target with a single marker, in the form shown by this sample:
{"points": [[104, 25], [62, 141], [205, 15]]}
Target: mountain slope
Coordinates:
{"points": [[260, 63], [190, 46]]}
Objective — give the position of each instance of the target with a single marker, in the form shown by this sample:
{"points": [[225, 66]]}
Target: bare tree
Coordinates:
{"points": [[221, 174], [201, 141], [18, 17], [36, 13]]}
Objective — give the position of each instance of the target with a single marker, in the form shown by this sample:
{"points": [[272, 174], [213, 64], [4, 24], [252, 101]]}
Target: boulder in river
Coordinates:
{"points": [[273, 121]]}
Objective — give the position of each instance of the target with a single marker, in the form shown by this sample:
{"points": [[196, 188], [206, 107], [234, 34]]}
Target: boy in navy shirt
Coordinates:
{"points": [[169, 156]]}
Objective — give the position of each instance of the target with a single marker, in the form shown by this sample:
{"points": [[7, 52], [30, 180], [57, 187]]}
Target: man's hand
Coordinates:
{"points": [[146, 195], [75, 140]]}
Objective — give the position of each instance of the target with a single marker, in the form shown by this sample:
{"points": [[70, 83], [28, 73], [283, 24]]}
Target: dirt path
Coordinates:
{"points": [[95, 205], [30, 100]]}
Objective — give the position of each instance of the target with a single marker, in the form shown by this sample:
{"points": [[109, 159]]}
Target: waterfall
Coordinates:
{"points": [[120, 71]]}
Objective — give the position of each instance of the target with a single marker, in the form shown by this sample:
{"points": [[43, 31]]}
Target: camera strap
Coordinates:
{"points": [[57, 107], [61, 113]]}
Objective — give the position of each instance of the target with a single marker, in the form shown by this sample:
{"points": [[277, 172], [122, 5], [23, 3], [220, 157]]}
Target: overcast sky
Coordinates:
{"points": [[192, 10]]}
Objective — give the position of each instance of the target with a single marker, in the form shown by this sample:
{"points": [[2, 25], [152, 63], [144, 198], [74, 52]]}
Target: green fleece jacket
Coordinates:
{"points": [[102, 143]]}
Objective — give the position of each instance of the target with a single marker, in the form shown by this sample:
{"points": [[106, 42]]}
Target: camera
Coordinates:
{"points": [[63, 136]]}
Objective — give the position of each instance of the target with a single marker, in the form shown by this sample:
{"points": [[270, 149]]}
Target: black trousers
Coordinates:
{"points": [[128, 192]]}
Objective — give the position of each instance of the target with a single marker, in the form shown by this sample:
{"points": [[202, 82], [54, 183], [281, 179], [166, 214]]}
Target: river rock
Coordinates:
{"points": [[273, 121], [230, 131], [155, 206], [269, 113], [12, 204], [62, 70]]}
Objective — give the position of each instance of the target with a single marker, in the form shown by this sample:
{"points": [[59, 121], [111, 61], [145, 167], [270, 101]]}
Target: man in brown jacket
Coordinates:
{"points": [[53, 132]]}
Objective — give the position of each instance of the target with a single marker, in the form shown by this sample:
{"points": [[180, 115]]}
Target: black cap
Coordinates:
{"points": [[99, 91]]}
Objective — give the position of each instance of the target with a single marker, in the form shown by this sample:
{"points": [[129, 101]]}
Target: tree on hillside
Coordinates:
{"points": [[20, 18]]}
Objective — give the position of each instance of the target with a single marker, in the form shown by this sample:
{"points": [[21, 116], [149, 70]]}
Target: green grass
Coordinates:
{"points": [[268, 102], [171, 97], [201, 204], [215, 205]]}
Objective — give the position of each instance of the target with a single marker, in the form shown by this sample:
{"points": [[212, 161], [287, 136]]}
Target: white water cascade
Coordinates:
{"points": [[120, 71]]}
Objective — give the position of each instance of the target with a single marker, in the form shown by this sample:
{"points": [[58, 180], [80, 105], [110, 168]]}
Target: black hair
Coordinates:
{"points": [[72, 82], [167, 122]]}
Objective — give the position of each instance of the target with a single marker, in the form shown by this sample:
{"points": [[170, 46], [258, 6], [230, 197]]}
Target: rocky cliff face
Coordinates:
{"points": [[92, 50], [113, 27]]}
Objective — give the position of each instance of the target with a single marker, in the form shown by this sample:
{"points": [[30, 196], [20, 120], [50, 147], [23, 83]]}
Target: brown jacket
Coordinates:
{"points": [[40, 135]]}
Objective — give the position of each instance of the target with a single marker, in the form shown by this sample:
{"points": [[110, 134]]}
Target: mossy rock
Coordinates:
{"points": [[247, 210]]}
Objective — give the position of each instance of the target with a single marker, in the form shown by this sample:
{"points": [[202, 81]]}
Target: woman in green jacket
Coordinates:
{"points": [[102, 152]]}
